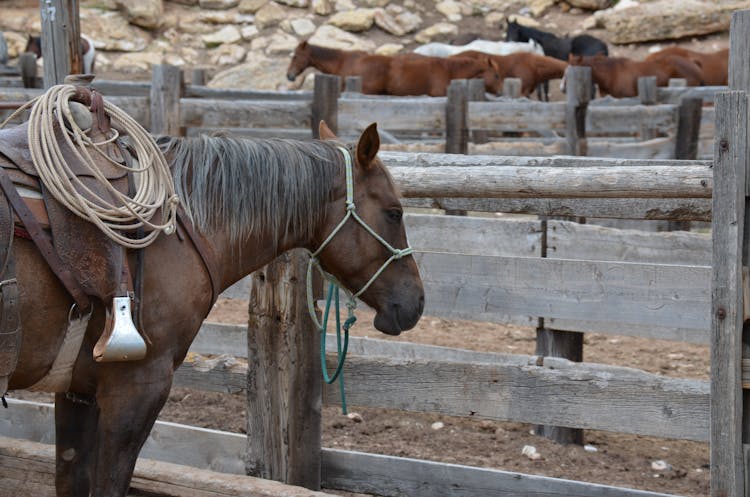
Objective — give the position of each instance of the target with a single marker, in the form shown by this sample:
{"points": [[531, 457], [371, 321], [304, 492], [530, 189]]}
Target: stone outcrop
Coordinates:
{"points": [[144, 13], [591, 4], [333, 37], [666, 19], [354, 21]]}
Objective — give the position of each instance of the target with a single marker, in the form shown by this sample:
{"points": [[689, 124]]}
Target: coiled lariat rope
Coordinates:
{"points": [[334, 285], [154, 187]]}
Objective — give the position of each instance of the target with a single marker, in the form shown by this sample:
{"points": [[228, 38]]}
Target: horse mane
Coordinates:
{"points": [[253, 187]]}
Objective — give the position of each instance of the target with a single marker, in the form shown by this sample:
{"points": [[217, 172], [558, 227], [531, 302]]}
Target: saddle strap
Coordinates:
{"points": [[42, 242], [204, 251]]}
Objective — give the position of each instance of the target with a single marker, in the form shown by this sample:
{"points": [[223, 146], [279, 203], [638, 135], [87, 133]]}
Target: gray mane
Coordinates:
{"points": [[253, 187]]}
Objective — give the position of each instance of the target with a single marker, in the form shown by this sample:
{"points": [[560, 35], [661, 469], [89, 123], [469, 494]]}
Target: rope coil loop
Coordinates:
{"points": [[154, 187]]}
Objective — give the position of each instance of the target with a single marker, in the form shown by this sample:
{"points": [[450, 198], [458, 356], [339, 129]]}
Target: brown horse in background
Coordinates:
{"points": [[714, 65], [618, 76], [406, 74], [531, 69]]}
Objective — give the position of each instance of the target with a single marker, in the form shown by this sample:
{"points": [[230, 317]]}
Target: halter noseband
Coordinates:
{"points": [[350, 213]]}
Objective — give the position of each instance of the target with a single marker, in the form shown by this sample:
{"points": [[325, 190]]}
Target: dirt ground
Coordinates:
{"points": [[613, 459]]}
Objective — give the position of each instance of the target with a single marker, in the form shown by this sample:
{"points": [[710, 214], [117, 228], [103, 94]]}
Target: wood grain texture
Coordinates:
{"points": [[282, 383], [727, 226], [683, 181], [219, 113], [165, 105]]}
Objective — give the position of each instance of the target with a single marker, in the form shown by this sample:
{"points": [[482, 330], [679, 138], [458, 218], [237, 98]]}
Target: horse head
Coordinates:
{"points": [[514, 32], [34, 45], [355, 256], [300, 61], [493, 76]]}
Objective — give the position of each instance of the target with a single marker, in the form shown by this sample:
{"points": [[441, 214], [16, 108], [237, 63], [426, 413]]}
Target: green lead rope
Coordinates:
{"points": [[333, 294]]}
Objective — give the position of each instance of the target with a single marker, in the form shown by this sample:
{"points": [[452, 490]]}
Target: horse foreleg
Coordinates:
{"points": [[75, 428], [129, 403]]}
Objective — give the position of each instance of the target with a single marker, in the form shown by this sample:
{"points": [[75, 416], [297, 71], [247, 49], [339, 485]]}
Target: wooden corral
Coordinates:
{"points": [[677, 286]]}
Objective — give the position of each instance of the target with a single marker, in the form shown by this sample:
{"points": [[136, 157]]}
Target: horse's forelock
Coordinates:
{"points": [[253, 187]]}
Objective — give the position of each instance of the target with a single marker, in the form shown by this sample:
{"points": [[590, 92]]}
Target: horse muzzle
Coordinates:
{"points": [[396, 317], [291, 77]]}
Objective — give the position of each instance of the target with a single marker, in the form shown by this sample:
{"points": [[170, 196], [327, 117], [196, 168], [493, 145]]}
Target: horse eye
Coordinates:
{"points": [[394, 215]]}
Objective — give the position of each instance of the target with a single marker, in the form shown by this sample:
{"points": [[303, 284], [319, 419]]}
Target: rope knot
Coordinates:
{"points": [[350, 206]]}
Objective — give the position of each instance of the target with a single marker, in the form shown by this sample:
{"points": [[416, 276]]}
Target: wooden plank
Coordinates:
{"points": [[656, 209], [396, 159], [325, 103], [392, 114], [620, 119], [215, 113], [255, 133], [136, 107], [512, 87], [199, 91], [584, 182], [673, 95], [28, 469], [566, 240], [165, 105], [398, 476], [474, 235], [515, 115], [111, 88], [283, 401], [492, 288], [527, 389], [727, 461]]}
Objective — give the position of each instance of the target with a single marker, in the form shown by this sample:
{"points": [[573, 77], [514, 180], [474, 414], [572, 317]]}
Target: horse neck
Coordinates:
{"points": [[548, 68], [464, 68], [327, 60]]}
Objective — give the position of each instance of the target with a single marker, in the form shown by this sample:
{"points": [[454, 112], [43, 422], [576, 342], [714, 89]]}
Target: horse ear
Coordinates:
{"points": [[325, 132], [368, 146]]}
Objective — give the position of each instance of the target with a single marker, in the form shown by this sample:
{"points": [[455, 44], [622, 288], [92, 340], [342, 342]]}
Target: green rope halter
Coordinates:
{"points": [[334, 285]]}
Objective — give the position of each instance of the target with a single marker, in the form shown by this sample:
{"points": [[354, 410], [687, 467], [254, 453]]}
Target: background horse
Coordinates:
{"points": [[531, 69], [714, 65], [436, 49], [405, 74], [419, 75], [618, 76], [249, 200], [556, 46], [88, 52]]}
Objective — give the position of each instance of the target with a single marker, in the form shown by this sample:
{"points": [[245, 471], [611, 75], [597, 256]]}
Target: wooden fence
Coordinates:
{"points": [[581, 278]]}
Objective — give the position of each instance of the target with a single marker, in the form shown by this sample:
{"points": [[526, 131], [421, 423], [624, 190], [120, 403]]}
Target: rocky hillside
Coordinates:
{"points": [[247, 43]]}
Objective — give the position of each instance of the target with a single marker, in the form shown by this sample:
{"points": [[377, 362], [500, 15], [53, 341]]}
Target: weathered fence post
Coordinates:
{"points": [[686, 141], [353, 84], [166, 91], [476, 94], [550, 342], [3, 50], [647, 96], [27, 67], [456, 128], [456, 108], [730, 404], [325, 104], [578, 96], [61, 32], [198, 76], [512, 87], [284, 386]]}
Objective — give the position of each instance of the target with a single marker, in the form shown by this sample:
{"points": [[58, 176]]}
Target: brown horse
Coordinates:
{"points": [[407, 74], [714, 65], [531, 69], [250, 200], [618, 76]]}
